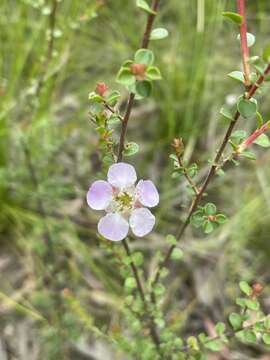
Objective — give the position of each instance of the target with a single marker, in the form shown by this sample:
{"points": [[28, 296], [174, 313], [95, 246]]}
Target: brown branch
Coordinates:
{"points": [[209, 177], [125, 119], [145, 43], [244, 45], [112, 110], [152, 327]]}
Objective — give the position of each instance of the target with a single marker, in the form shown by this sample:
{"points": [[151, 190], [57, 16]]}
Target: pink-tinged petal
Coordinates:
{"points": [[113, 227], [99, 195], [147, 193], [142, 221], [122, 175]]}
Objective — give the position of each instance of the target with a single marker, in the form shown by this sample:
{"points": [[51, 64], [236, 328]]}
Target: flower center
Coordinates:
{"points": [[124, 201]]}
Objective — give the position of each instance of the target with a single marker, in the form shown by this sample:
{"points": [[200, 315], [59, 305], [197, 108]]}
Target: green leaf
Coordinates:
{"points": [[193, 343], [158, 34], [171, 239], [236, 18], [96, 107], [131, 148], [237, 75], [226, 112], [250, 39], [220, 328], [127, 63], [113, 98], [164, 272], [137, 258], [177, 254], [248, 155], [160, 322], [159, 289], [245, 288], [252, 304], [239, 135], [247, 108], [203, 338], [266, 54], [143, 88], [263, 141], [95, 97], [210, 209], [267, 322], [241, 302], [213, 345], [221, 218], [113, 119], [266, 339], [125, 77], [144, 56], [142, 4], [208, 227], [259, 119], [173, 157], [247, 336], [235, 321], [197, 219], [153, 73], [130, 283]]}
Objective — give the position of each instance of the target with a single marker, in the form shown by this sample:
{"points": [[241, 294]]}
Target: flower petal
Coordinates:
{"points": [[113, 227], [141, 221], [122, 175], [147, 193], [99, 195]]}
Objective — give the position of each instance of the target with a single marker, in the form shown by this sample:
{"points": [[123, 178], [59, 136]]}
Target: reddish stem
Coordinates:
{"points": [[244, 45], [208, 179]]}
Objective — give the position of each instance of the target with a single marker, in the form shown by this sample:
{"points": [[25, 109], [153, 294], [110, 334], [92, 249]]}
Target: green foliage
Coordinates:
{"points": [[158, 34], [207, 218], [144, 56], [226, 112], [234, 17], [263, 141], [143, 5], [237, 75], [247, 107], [177, 254], [131, 148]]}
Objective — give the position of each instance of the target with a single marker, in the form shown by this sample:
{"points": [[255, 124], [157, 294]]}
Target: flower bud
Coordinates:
{"points": [[178, 145], [257, 289], [138, 70], [101, 88]]}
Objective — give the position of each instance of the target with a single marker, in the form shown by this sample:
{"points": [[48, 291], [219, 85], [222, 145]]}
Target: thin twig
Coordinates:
{"points": [[244, 45], [145, 43], [209, 177], [189, 179], [142, 295], [228, 334], [113, 111], [50, 47]]}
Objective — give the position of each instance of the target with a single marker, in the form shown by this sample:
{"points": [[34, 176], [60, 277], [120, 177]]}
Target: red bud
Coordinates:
{"points": [[101, 88]]}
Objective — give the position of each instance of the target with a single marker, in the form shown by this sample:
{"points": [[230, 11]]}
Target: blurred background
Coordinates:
{"points": [[54, 303]]}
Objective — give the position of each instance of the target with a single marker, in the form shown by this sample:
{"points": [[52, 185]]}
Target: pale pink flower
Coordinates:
{"points": [[124, 203]]}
